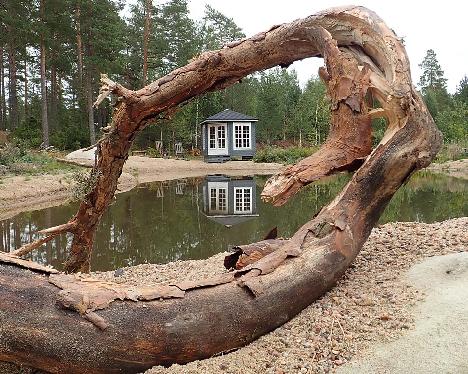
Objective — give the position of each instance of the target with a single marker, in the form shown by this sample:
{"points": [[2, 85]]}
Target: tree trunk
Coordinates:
{"points": [[26, 89], [195, 320], [89, 106], [12, 88], [53, 94], [79, 43], [146, 34], [45, 120], [3, 118]]}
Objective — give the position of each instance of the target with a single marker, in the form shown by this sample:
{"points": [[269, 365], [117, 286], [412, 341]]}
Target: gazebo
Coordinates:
{"points": [[228, 135]]}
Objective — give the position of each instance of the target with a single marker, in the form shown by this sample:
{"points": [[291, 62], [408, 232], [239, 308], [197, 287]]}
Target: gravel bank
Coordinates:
{"points": [[372, 303], [372, 307]]}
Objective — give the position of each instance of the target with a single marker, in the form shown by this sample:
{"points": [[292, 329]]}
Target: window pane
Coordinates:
{"points": [[222, 198], [221, 137], [212, 137], [237, 136], [247, 200], [238, 201], [213, 199]]}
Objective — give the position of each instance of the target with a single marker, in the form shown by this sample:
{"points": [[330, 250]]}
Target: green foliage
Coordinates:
{"points": [[433, 84], [462, 90], [311, 116], [283, 155], [16, 159], [218, 30], [153, 152], [29, 133], [70, 136], [432, 74], [451, 152], [379, 125], [453, 122], [113, 44], [277, 94]]}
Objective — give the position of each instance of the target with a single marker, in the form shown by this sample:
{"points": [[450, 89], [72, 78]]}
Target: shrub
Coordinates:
{"points": [[70, 136], [16, 159], [283, 155], [451, 152], [153, 152], [29, 133]]}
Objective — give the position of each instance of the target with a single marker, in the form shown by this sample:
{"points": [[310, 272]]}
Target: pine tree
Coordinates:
{"points": [[462, 90], [146, 36], [218, 30], [433, 84], [432, 74], [45, 122]]}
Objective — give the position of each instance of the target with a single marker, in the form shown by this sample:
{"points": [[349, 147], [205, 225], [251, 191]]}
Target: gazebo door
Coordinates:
{"points": [[217, 141]]}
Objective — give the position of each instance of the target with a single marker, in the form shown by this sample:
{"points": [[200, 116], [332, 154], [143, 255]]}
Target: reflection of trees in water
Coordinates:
{"points": [[144, 226], [428, 198]]}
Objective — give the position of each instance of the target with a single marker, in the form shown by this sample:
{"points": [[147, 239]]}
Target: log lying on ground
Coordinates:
{"points": [[41, 314]]}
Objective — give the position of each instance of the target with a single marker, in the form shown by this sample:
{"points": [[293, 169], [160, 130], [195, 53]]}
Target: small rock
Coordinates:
{"points": [[365, 301]]}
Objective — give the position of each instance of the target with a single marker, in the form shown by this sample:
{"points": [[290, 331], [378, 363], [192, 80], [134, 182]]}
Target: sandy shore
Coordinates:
{"points": [[457, 169], [376, 303], [23, 193]]}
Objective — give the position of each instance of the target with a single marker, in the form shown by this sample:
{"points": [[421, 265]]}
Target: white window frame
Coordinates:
{"points": [[216, 150], [234, 124], [236, 211], [217, 186]]}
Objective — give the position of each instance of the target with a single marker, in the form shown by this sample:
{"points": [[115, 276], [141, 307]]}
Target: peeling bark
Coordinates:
{"points": [[276, 279]]}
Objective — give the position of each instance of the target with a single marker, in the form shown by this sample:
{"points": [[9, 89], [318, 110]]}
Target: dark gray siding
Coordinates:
{"points": [[232, 183], [230, 141], [250, 182]]}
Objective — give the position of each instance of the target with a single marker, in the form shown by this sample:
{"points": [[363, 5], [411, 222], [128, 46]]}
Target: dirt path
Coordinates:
{"points": [[19, 193], [438, 342]]}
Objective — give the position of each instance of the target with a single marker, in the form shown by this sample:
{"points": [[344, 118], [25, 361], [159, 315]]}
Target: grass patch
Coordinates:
{"points": [[288, 155], [20, 161]]}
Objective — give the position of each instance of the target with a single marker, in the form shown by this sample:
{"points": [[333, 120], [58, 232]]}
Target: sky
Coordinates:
{"points": [[441, 26]]}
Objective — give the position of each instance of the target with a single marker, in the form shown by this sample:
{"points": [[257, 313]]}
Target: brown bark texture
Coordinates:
{"points": [[12, 88], [3, 117], [75, 324]]}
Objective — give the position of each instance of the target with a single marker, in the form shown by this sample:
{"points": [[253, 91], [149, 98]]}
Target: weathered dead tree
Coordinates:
{"points": [[41, 312]]}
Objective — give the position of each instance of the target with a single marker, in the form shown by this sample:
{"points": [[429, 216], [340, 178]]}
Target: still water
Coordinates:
{"points": [[194, 218]]}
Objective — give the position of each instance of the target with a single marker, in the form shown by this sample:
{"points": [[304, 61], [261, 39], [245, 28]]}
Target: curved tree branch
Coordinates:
{"points": [[201, 318]]}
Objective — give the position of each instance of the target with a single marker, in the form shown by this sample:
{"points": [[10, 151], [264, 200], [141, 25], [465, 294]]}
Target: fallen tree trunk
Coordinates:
{"points": [[40, 313]]}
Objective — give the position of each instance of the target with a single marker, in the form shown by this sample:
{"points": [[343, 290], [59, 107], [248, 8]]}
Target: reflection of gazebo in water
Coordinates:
{"points": [[229, 201]]}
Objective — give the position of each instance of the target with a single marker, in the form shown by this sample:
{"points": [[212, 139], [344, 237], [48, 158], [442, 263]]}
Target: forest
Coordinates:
{"points": [[52, 53]]}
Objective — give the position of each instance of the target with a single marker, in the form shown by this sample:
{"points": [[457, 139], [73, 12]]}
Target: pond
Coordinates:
{"points": [[195, 218]]}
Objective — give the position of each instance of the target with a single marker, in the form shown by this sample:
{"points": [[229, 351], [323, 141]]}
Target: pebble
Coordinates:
{"points": [[371, 303]]}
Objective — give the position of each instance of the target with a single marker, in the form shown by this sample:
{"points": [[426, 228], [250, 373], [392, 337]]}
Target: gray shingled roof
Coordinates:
{"points": [[230, 115]]}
